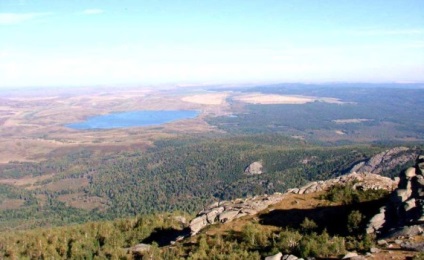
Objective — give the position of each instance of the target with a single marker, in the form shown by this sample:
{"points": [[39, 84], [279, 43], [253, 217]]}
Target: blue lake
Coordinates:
{"points": [[133, 118]]}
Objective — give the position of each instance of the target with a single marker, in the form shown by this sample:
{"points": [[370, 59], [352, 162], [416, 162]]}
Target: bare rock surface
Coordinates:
{"points": [[254, 168], [226, 211], [139, 249], [404, 213], [363, 181], [277, 256], [386, 160]]}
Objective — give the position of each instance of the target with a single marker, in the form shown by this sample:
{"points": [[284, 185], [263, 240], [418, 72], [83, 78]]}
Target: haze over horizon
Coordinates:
{"points": [[78, 43]]}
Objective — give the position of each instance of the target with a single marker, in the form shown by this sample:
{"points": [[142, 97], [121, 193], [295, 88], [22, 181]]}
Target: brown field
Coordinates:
{"points": [[82, 201], [31, 128], [66, 184]]}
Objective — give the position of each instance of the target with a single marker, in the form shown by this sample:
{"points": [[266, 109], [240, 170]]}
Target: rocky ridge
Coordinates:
{"points": [[225, 211], [386, 160]]}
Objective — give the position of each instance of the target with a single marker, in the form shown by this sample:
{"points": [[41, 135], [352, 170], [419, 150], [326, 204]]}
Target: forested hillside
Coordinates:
{"points": [[176, 174]]}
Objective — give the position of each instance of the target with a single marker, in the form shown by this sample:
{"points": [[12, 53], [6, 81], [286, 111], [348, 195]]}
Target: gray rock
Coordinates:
{"points": [[398, 241], [377, 222], [349, 255], [382, 242], [419, 247], [384, 161], [228, 216], [406, 231], [198, 224], [420, 164], [254, 168], [402, 194], [139, 249], [289, 257], [212, 215], [274, 257], [310, 187], [409, 204], [410, 172], [374, 250]]}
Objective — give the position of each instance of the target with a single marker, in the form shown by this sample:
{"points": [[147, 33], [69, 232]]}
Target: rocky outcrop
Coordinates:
{"points": [[254, 168], [139, 249], [225, 211], [385, 161], [404, 214], [361, 181], [277, 256]]}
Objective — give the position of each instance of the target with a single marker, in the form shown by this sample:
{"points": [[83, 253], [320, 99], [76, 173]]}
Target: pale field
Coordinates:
{"points": [[268, 99], [207, 99], [351, 121]]}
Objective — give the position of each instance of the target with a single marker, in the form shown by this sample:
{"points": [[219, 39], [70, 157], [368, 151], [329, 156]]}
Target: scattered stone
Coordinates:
{"points": [[277, 256]]}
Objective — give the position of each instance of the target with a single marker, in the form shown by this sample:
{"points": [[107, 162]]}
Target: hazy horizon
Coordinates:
{"points": [[78, 43]]}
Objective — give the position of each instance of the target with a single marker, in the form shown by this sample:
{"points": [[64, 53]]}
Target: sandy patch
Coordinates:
{"points": [[268, 99], [206, 99], [339, 132], [351, 121]]}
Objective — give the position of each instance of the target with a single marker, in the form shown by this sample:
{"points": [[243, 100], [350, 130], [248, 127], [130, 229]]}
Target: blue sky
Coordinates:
{"points": [[80, 43]]}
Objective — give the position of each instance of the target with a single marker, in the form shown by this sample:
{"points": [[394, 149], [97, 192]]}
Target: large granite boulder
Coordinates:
{"points": [[254, 168]]}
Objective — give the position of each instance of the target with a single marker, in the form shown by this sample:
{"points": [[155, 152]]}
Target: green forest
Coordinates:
{"points": [[181, 174], [320, 236]]}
